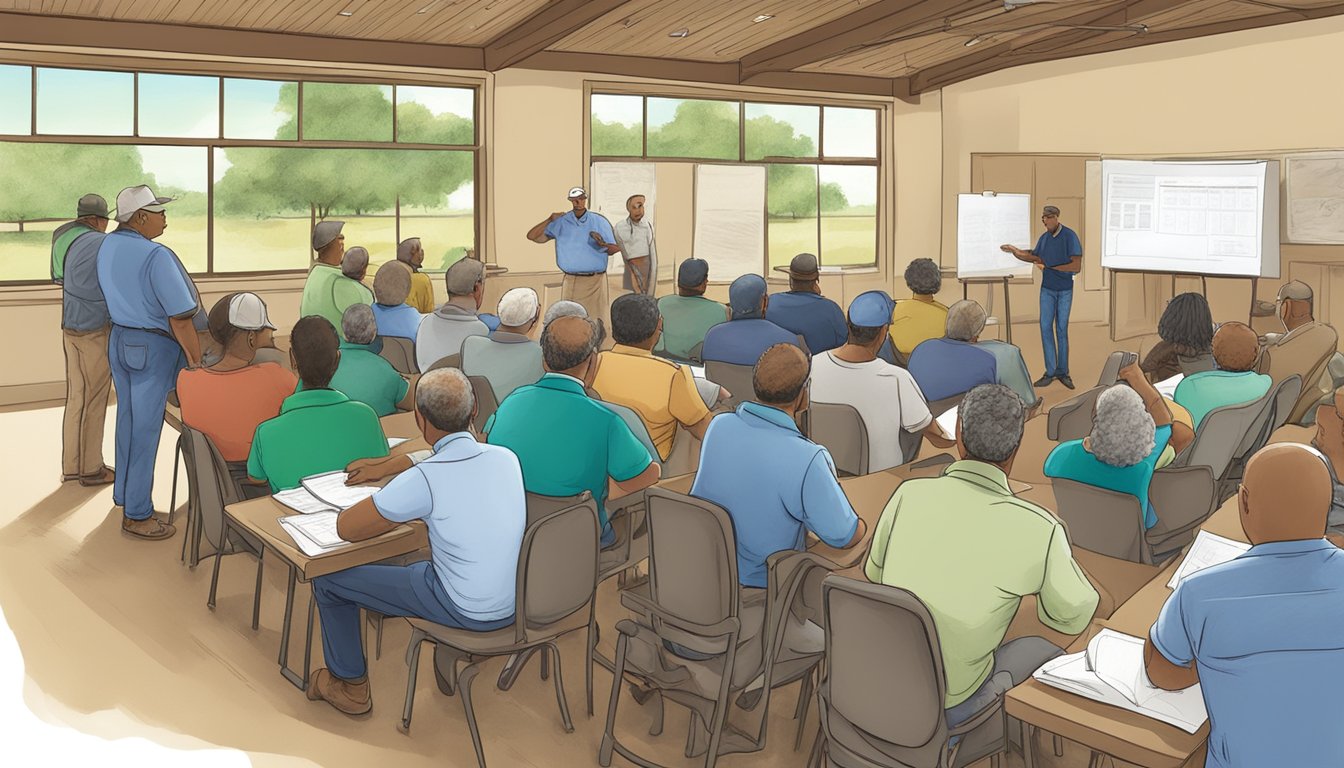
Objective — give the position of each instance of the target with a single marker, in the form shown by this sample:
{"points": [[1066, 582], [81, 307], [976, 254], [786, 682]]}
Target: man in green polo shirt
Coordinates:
{"points": [[328, 290], [688, 315], [318, 429], [567, 442], [363, 375], [970, 550]]}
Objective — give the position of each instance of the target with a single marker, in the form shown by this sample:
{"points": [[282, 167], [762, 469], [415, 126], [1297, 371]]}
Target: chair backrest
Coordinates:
{"points": [[840, 429], [451, 361], [939, 407], [692, 564], [486, 404], [1110, 370], [881, 639], [697, 352], [212, 486], [737, 378], [400, 353], [557, 567], [1196, 364], [1226, 434], [539, 506], [1287, 401], [1103, 521], [1072, 419], [634, 422]]}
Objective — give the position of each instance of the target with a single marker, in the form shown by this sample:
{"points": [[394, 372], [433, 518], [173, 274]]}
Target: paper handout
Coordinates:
{"points": [[330, 487], [948, 421], [1167, 387], [1209, 550], [313, 534]]}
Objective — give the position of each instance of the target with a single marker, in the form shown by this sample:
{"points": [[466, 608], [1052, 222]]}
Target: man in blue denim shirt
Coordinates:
{"points": [[1059, 256]]}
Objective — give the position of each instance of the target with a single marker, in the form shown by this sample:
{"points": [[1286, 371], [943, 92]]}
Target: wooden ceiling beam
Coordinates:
{"points": [[555, 21], [33, 29], [864, 26], [966, 68]]}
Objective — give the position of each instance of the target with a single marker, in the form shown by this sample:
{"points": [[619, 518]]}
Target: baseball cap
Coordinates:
{"points": [[463, 276], [804, 267], [871, 309], [1295, 290], [132, 199], [355, 260], [248, 311], [325, 232], [576, 192], [564, 308], [518, 306], [1049, 210], [745, 295], [91, 205], [692, 273]]}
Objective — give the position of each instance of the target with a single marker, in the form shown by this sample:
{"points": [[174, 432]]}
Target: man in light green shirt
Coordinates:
{"points": [[328, 290], [688, 315], [970, 550]]}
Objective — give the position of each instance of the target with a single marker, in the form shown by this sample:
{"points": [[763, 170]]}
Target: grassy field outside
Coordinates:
{"points": [[845, 240], [254, 245]]}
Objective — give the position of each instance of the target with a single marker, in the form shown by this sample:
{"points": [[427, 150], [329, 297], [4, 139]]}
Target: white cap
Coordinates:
{"points": [[518, 306], [248, 312], [576, 192], [132, 199]]}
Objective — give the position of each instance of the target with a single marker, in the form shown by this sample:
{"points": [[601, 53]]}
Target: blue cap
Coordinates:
{"points": [[745, 296], [871, 309], [692, 273]]}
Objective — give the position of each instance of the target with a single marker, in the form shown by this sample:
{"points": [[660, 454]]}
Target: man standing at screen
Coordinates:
{"points": [[1059, 256], [581, 237]]}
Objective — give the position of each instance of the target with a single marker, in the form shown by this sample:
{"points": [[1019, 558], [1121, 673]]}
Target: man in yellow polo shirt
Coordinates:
{"points": [[920, 317], [661, 392]]}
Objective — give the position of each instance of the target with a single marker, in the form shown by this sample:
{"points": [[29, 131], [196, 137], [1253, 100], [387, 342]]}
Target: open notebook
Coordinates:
{"points": [[318, 500], [1111, 671], [1209, 550]]}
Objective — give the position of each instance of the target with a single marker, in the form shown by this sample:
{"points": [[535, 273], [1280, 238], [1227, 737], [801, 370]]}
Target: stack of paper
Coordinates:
{"points": [[1167, 387], [314, 534], [1111, 671], [393, 442], [1209, 550], [318, 500], [948, 421]]}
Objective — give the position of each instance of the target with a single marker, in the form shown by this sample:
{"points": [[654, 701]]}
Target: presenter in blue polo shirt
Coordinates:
{"points": [[1059, 256], [151, 301], [581, 238]]}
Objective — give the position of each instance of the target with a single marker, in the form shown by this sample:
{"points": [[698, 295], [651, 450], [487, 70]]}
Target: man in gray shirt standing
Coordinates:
{"points": [[85, 328], [634, 236]]}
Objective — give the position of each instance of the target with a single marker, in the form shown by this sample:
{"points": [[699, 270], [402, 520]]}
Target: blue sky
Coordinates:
{"points": [[15, 99]]}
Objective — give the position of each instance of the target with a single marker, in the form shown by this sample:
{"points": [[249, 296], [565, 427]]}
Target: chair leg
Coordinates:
{"points": [[656, 727], [214, 581], [177, 461], [608, 732], [464, 688], [413, 664], [804, 699], [588, 669], [818, 746], [559, 687], [545, 666], [996, 760], [1059, 745], [256, 593], [378, 644], [186, 533], [690, 734]]}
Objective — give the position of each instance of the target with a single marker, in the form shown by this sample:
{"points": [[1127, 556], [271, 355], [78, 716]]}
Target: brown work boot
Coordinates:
{"points": [[104, 476], [352, 697], [150, 528]]}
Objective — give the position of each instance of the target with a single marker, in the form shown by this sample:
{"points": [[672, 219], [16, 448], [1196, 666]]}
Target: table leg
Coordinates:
{"points": [[285, 671], [1007, 313], [1028, 752]]}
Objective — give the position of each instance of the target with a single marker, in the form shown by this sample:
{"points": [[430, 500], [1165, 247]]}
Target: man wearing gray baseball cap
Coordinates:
{"points": [[151, 301]]}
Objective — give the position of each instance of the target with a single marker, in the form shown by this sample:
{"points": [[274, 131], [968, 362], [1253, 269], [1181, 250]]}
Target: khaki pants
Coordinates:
{"points": [[591, 292], [88, 381]]}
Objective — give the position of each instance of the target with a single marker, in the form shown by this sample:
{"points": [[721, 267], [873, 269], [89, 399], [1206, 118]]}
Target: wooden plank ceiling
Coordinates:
{"points": [[886, 47]]}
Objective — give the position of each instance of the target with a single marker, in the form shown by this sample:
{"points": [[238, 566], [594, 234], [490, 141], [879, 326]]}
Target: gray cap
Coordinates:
{"points": [[91, 205], [325, 232], [1050, 210], [564, 308], [804, 267], [692, 273], [745, 296], [1295, 290], [355, 261], [463, 276]]}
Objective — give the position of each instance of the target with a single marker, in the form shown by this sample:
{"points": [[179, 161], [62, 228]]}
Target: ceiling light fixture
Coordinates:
{"points": [[762, 17], [427, 7], [629, 22], [683, 32], [345, 13], [974, 41]]}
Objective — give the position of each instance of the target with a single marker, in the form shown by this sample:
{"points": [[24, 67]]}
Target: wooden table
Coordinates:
{"points": [[1109, 730], [260, 519]]}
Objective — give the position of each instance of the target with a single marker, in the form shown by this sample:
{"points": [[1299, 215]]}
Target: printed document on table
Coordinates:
{"points": [[300, 500], [1167, 387], [393, 442], [948, 421], [305, 544], [1208, 550], [331, 488], [319, 527]]}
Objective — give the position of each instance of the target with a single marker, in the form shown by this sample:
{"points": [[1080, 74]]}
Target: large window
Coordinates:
{"points": [[822, 162], [252, 164]]}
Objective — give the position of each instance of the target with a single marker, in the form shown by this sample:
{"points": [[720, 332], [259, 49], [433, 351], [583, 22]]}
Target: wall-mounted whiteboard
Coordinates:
{"points": [[985, 222], [730, 219], [1209, 218], [612, 184], [1315, 198]]}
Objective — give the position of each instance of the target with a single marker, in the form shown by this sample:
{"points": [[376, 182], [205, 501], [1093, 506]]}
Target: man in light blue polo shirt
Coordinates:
{"points": [[151, 301], [471, 497], [775, 483], [581, 240], [1059, 256], [1263, 635]]}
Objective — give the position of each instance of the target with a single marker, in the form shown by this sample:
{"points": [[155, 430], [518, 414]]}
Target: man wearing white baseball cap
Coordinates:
{"points": [[151, 301], [507, 358], [581, 237], [230, 398]]}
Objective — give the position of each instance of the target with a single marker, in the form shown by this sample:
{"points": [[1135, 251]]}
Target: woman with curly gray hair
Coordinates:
{"points": [[1131, 437], [920, 317]]}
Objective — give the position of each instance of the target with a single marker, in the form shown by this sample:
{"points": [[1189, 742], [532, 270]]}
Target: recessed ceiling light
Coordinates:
{"points": [[762, 17], [428, 7], [345, 13], [683, 32], [974, 41], [630, 22]]}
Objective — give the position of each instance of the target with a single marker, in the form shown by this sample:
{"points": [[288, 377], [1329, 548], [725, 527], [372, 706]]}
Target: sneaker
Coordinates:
{"points": [[151, 528], [104, 476], [1044, 381], [352, 697], [1065, 380]]}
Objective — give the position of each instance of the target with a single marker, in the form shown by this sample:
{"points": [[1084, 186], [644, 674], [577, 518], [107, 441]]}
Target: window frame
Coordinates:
{"points": [[225, 70]]}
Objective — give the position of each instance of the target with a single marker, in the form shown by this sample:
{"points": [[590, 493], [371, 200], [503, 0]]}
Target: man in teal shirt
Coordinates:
{"points": [[363, 375], [688, 315], [1236, 348]]}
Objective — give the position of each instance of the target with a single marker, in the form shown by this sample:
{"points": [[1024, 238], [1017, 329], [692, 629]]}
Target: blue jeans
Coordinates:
{"points": [[1055, 306], [144, 370], [392, 590]]}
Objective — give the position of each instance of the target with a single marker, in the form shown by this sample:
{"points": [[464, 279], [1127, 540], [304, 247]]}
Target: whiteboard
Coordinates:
{"points": [[1316, 198], [985, 222], [1198, 217], [612, 184], [730, 219]]}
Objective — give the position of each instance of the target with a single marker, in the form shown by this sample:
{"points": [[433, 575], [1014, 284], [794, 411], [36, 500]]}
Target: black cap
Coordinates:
{"points": [[692, 273]]}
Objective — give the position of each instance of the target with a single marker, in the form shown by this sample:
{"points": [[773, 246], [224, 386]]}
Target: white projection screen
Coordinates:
{"points": [[1207, 218]]}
